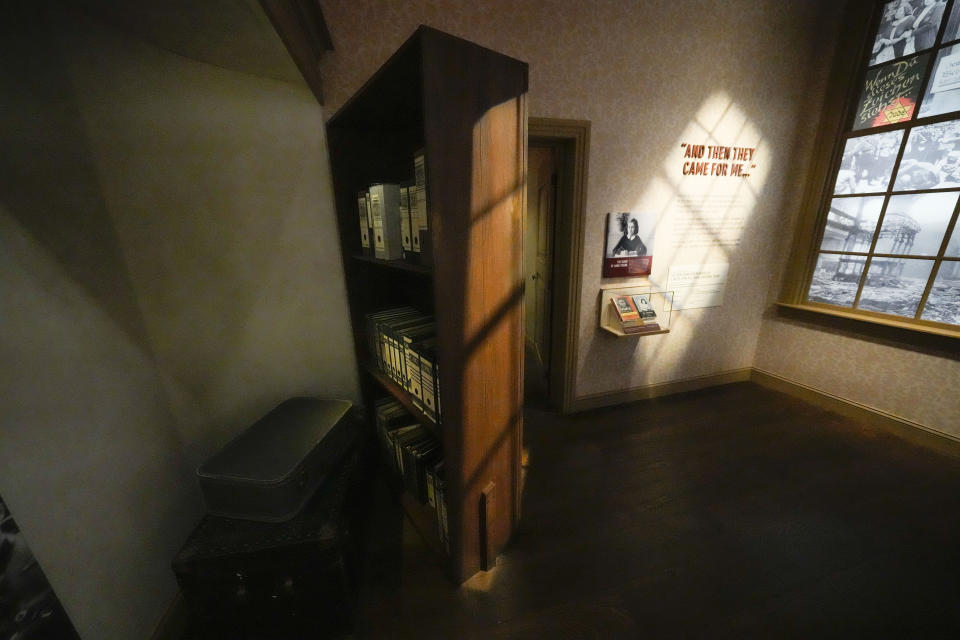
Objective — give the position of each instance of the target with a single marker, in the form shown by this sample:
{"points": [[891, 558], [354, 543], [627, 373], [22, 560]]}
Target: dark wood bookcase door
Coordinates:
{"points": [[465, 106]]}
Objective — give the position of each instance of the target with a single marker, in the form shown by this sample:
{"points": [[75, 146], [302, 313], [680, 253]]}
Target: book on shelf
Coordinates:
{"points": [[407, 338], [374, 342], [405, 234], [411, 346], [390, 416], [428, 377], [626, 311], [415, 352], [366, 196], [404, 342], [405, 439], [436, 389], [385, 213], [417, 455], [414, 457], [391, 331], [365, 245], [422, 227], [431, 478], [636, 313], [643, 306], [398, 438], [414, 198], [421, 326], [440, 496]]}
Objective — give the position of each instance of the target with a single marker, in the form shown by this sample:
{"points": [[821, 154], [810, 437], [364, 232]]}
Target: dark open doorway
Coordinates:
{"points": [[553, 246], [543, 168]]}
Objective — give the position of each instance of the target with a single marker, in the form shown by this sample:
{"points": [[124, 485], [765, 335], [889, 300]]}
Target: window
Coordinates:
{"points": [[887, 245]]}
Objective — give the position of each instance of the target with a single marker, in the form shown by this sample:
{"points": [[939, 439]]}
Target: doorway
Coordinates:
{"points": [[538, 240], [553, 246]]}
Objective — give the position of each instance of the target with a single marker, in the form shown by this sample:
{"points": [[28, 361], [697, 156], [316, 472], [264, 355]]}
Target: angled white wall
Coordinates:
{"points": [[169, 272]]}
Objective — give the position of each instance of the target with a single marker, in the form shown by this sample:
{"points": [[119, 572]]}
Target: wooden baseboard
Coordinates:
{"points": [[174, 621], [913, 432], [611, 398]]}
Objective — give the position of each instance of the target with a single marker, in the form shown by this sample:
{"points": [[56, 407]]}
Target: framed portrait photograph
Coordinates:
{"points": [[629, 242]]}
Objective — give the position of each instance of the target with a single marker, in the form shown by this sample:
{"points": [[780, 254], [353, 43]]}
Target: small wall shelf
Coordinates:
{"points": [[662, 302]]}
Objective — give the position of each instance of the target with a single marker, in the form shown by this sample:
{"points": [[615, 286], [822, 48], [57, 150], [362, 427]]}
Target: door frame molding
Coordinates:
{"points": [[573, 138]]}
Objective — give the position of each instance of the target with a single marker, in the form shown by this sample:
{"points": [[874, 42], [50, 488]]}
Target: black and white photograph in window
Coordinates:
{"points": [[943, 302], [895, 285], [868, 163], [906, 26], [943, 92], [931, 159], [914, 224], [851, 224], [29, 609], [836, 279], [952, 31]]}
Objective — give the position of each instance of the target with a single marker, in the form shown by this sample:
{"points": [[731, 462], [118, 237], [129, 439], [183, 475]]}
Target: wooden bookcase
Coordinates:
{"points": [[465, 106]]}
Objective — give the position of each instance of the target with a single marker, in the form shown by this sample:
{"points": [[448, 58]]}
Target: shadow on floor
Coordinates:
{"points": [[734, 511]]}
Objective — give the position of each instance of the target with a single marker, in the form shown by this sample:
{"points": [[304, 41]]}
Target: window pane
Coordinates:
{"points": [[927, 14], [851, 224], [867, 163], [952, 31], [892, 19], [905, 29], [895, 285], [915, 224], [943, 93], [943, 303], [953, 247], [890, 93], [931, 159], [836, 278]]}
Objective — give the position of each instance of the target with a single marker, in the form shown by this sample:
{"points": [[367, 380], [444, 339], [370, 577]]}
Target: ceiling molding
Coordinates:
{"points": [[303, 30]]}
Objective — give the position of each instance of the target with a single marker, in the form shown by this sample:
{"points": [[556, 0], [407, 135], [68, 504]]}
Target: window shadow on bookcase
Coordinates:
{"points": [[465, 107]]}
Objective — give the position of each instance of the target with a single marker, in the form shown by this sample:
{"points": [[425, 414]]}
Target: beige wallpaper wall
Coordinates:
{"points": [[920, 387], [648, 76]]}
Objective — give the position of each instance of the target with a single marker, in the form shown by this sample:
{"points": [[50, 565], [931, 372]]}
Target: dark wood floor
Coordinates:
{"points": [[728, 512]]}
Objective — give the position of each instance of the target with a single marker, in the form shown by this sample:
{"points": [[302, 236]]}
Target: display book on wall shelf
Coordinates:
{"points": [[435, 143], [635, 308], [635, 312]]}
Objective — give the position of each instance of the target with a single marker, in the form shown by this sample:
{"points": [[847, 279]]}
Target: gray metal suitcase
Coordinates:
{"points": [[269, 471]]}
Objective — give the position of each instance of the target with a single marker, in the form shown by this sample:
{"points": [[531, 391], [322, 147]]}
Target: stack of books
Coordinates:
{"points": [[394, 217], [635, 313], [403, 343], [416, 457]]}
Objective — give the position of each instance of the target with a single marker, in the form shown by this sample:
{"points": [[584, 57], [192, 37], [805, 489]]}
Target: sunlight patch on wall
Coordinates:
{"points": [[704, 196]]}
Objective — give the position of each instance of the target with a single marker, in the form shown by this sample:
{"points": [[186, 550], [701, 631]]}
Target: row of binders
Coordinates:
{"points": [[416, 458], [394, 218], [635, 313], [403, 342]]}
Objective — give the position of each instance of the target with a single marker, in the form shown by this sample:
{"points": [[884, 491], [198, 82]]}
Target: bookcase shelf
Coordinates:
{"points": [[404, 398], [464, 106], [424, 520], [395, 264], [661, 301]]}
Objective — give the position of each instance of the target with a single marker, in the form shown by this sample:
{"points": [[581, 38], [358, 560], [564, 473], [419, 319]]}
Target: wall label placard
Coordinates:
{"points": [[717, 161], [697, 286]]}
